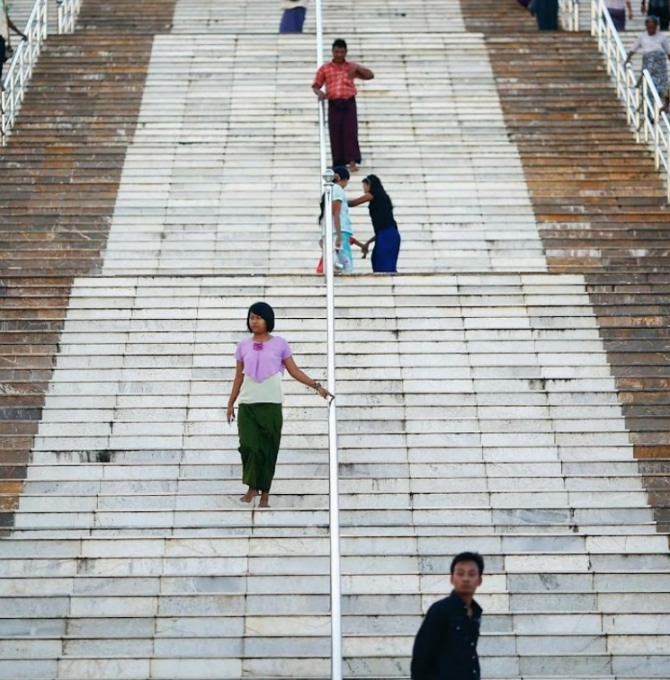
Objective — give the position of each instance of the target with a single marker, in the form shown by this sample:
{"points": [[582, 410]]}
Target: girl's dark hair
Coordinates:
{"points": [[266, 313], [377, 188], [468, 557], [322, 207]]}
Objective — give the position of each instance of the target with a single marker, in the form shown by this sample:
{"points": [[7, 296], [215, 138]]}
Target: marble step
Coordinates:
{"points": [[349, 485], [549, 517], [60, 550], [350, 501], [305, 668], [308, 574]]}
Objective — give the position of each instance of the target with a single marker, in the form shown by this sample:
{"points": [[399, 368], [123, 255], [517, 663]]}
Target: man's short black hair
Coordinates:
{"points": [[339, 43], [468, 557]]}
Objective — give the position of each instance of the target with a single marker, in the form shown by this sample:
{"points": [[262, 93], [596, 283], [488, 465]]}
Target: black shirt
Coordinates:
{"points": [[446, 644], [381, 212]]}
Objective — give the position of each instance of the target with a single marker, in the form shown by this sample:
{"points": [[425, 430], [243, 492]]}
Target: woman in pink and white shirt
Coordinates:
{"points": [[261, 360]]}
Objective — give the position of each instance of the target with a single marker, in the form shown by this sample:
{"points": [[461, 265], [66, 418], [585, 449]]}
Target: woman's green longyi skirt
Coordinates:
{"points": [[259, 427]]}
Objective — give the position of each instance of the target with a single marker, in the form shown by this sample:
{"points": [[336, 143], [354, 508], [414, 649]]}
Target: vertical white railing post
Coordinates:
{"points": [[645, 112], [3, 116], [657, 136], [327, 177], [68, 10], [323, 162], [667, 172], [638, 114], [594, 20], [569, 14]]}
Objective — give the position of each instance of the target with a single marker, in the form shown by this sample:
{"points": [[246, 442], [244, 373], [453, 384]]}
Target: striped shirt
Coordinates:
{"points": [[339, 85]]}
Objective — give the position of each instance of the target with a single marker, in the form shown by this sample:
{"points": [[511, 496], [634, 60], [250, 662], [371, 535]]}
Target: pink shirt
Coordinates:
{"points": [[262, 360]]}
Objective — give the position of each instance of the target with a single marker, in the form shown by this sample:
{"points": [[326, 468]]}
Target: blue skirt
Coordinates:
{"points": [[546, 13], [292, 20], [385, 253]]}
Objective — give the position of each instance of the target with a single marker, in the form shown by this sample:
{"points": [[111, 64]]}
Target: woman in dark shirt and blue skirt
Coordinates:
{"points": [[387, 237]]}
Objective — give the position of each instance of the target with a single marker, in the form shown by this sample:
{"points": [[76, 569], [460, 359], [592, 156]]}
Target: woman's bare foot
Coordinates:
{"points": [[353, 167], [249, 495], [265, 500]]}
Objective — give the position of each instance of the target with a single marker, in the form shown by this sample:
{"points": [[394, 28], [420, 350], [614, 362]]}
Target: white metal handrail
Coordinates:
{"points": [[326, 183], [21, 66], [25, 57], [643, 109], [568, 12], [655, 126], [333, 458], [68, 11]]}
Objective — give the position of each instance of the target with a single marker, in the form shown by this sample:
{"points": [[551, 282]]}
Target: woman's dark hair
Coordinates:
{"points": [[468, 557], [340, 44], [377, 188], [266, 313]]}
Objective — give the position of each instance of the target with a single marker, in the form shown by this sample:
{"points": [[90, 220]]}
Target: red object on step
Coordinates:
{"points": [[319, 266]]}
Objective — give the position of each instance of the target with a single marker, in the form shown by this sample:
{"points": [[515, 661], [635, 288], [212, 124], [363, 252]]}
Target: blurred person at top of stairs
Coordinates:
{"points": [[293, 16], [618, 10], [5, 25], [338, 76], [261, 361], [655, 55], [660, 9]]}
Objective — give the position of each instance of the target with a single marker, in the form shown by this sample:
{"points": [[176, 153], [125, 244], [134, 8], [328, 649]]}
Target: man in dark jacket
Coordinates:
{"points": [[446, 644]]}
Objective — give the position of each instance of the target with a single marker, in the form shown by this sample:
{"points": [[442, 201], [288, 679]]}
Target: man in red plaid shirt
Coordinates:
{"points": [[338, 77]]}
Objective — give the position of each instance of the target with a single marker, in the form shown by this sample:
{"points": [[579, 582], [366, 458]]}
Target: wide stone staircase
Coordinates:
{"points": [[479, 391]]}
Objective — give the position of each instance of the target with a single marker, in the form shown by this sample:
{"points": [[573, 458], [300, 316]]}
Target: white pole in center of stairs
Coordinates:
{"points": [[334, 487], [322, 109], [334, 490]]}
